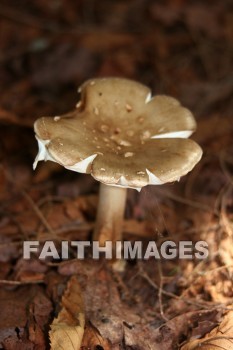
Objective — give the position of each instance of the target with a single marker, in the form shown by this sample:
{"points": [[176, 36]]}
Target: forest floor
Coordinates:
{"points": [[181, 48]]}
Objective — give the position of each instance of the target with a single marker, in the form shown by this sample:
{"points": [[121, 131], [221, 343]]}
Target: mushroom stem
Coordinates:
{"points": [[110, 214]]}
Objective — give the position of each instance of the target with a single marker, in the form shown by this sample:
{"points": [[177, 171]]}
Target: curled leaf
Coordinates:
{"points": [[220, 337], [68, 328]]}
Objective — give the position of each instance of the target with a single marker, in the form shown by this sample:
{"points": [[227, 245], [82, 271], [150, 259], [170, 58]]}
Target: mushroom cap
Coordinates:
{"points": [[121, 135]]}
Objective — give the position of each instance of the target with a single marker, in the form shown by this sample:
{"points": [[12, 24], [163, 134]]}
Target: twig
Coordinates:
{"points": [[189, 202], [224, 219], [222, 160], [39, 214], [200, 44], [174, 296], [219, 198], [202, 229], [18, 283], [215, 269], [31, 202], [122, 286], [160, 292], [192, 177]]}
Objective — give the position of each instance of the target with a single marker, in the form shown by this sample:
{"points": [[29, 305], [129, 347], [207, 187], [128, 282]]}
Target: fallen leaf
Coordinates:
{"points": [[220, 337], [92, 339], [25, 314], [68, 328]]}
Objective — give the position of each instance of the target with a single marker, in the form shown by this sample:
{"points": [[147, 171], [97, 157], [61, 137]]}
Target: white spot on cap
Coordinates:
{"points": [[161, 129], [128, 107], [140, 119], [104, 128], [124, 143], [128, 154], [96, 111], [56, 118], [145, 135]]}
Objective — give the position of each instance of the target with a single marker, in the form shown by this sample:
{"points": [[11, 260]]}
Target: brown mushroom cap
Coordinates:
{"points": [[121, 136]]}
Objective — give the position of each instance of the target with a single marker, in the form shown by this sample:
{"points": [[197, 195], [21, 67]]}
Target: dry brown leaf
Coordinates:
{"points": [[220, 337], [93, 340], [68, 328]]}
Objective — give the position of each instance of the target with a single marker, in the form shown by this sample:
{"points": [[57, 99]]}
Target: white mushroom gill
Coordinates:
{"points": [[81, 167], [148, 98], [43, 153], [153, 180], [122, 182], [184, 134]]}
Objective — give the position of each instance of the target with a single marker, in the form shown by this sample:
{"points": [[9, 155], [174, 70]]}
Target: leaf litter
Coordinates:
{"points": [[47, 50]]}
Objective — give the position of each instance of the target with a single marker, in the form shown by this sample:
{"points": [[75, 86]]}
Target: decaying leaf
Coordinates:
{"points": [[93, 340], [220, 337], [25, 305], [68, 328]]}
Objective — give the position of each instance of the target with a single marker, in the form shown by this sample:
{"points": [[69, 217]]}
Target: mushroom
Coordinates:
{"points": [[124, 138]]}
